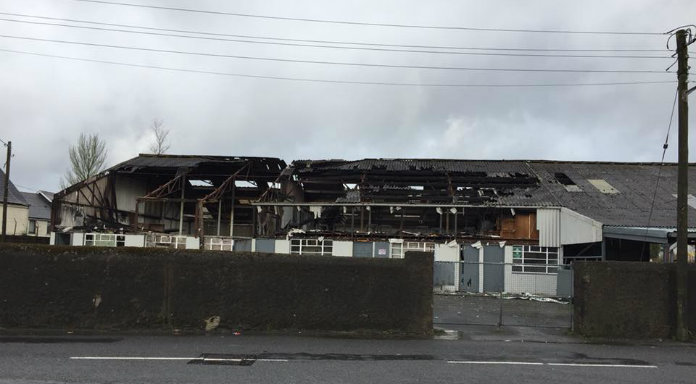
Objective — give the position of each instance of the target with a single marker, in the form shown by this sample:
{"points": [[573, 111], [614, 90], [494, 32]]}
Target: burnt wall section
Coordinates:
{"points": [[131, 288], [629, 299]]}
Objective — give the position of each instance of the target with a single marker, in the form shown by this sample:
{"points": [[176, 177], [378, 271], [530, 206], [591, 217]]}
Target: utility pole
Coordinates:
{"points": [[6, 191], [682, 184]]}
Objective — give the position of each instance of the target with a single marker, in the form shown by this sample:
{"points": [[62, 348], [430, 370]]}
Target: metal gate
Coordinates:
{"points": [[495, 293], [265, 245], [469, 270], [493, 268], [362, 249]]}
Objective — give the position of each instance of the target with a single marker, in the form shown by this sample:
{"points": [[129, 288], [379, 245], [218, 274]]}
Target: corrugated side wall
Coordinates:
{"points": [[577, 229], [549, 226]]}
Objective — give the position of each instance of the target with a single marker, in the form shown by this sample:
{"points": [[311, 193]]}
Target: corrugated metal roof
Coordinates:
{"points": [[635, 182], [191, 161], [13, 194]]}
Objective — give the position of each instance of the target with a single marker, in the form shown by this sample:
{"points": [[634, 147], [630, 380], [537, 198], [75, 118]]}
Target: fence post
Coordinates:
{"points": [[500, 296]]}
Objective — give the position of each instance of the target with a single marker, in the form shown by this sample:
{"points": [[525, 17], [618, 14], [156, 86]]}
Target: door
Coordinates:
{"points": [[265, 245], [362, 249], [493, 268], [382, 249], [469, 269]]}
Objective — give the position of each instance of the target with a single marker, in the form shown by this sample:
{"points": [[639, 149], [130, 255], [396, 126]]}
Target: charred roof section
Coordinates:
{"points": [[413, 180]]}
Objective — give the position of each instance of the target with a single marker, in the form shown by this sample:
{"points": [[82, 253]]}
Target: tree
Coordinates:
{"points": [[160, 145], [86, 159]]}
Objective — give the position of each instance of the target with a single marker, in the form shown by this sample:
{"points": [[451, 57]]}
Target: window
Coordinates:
{"points": [[105, 240], [219, 243], [32, 227], [399, 249], [166, 241], [533, 259], [311, 247]]}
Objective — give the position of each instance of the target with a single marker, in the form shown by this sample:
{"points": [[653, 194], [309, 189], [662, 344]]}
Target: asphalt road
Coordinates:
{"points": [[296, 359]]}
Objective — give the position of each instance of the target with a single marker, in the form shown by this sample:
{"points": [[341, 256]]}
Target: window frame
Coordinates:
{"points": [[533, 259], [309, 246]]}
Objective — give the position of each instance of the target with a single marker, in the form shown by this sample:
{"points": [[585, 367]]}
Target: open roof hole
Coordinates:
{"points": [[563, 178], [200, 183], [244, 184], [567, 182]]}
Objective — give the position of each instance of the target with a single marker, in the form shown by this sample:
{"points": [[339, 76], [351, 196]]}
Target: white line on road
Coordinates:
{"points": [[550, 364], [163, 358], [274, 360], [603, 365], [131, 358], [494, 362]]}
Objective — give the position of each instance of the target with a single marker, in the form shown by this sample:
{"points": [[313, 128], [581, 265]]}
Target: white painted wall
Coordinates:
{"points": [[343, 248], [480, 286], [192, 243], [77, 239], [127, 192], [449, 253], [564, 226], [534, 283], [282, 246], [549, 226], [135, 241], [578, 229], [17, 219]]}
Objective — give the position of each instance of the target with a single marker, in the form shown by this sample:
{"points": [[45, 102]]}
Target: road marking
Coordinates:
{"points": [[493, 362], [550, 364], [602, 365], [274, 360], [164, 358], [131, 358]]}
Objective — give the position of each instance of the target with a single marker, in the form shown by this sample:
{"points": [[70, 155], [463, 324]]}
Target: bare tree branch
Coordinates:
{"points": [[86, 159], [160, 145]]}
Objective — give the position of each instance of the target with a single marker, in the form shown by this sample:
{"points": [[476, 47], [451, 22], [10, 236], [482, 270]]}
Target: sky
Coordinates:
{"points": [[49, 101]]}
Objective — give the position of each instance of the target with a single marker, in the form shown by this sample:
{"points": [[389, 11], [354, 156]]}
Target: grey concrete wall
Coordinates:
{"points": [[146, 288], [628, 299]]}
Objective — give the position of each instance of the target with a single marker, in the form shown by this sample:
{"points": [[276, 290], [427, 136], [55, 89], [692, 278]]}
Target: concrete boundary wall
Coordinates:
{"points": [[629, 299], [138, 288]]}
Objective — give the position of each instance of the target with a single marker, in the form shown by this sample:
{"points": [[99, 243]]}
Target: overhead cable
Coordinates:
{"points": [[311, 41], [361, 23], [297, 79], [539, 55], [339, 63]]}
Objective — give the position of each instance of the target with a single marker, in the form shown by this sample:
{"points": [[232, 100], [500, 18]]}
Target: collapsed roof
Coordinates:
{"points": [[623, 194]]}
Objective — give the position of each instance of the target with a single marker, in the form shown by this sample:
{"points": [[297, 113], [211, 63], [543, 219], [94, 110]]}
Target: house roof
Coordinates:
{"points": [[47, 195], [619, 194], [39, 207], [13, 195]]}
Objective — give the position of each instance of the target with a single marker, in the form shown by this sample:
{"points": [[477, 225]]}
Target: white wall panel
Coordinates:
{"points": [[549, 226], [578, 229]]}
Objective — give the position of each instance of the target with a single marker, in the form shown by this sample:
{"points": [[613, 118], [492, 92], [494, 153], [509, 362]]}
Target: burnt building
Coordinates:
{"points": [[493, 225], [168, 195]]}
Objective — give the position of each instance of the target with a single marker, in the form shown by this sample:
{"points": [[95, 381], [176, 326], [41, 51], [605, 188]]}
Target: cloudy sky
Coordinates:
{"points": [[49, 101]]}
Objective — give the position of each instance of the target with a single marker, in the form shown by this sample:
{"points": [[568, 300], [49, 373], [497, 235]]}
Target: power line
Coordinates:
{"points": [[659, 169], [443, 85], [339, 63], [336, 47], [347, 22], [273, 38]]}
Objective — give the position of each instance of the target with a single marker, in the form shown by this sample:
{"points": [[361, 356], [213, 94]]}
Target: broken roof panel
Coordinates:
{"points": [[173, 162], [532, 183]]}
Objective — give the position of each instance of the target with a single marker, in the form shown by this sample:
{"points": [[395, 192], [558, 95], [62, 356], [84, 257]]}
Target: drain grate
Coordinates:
{"points": [[224, 359]]}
